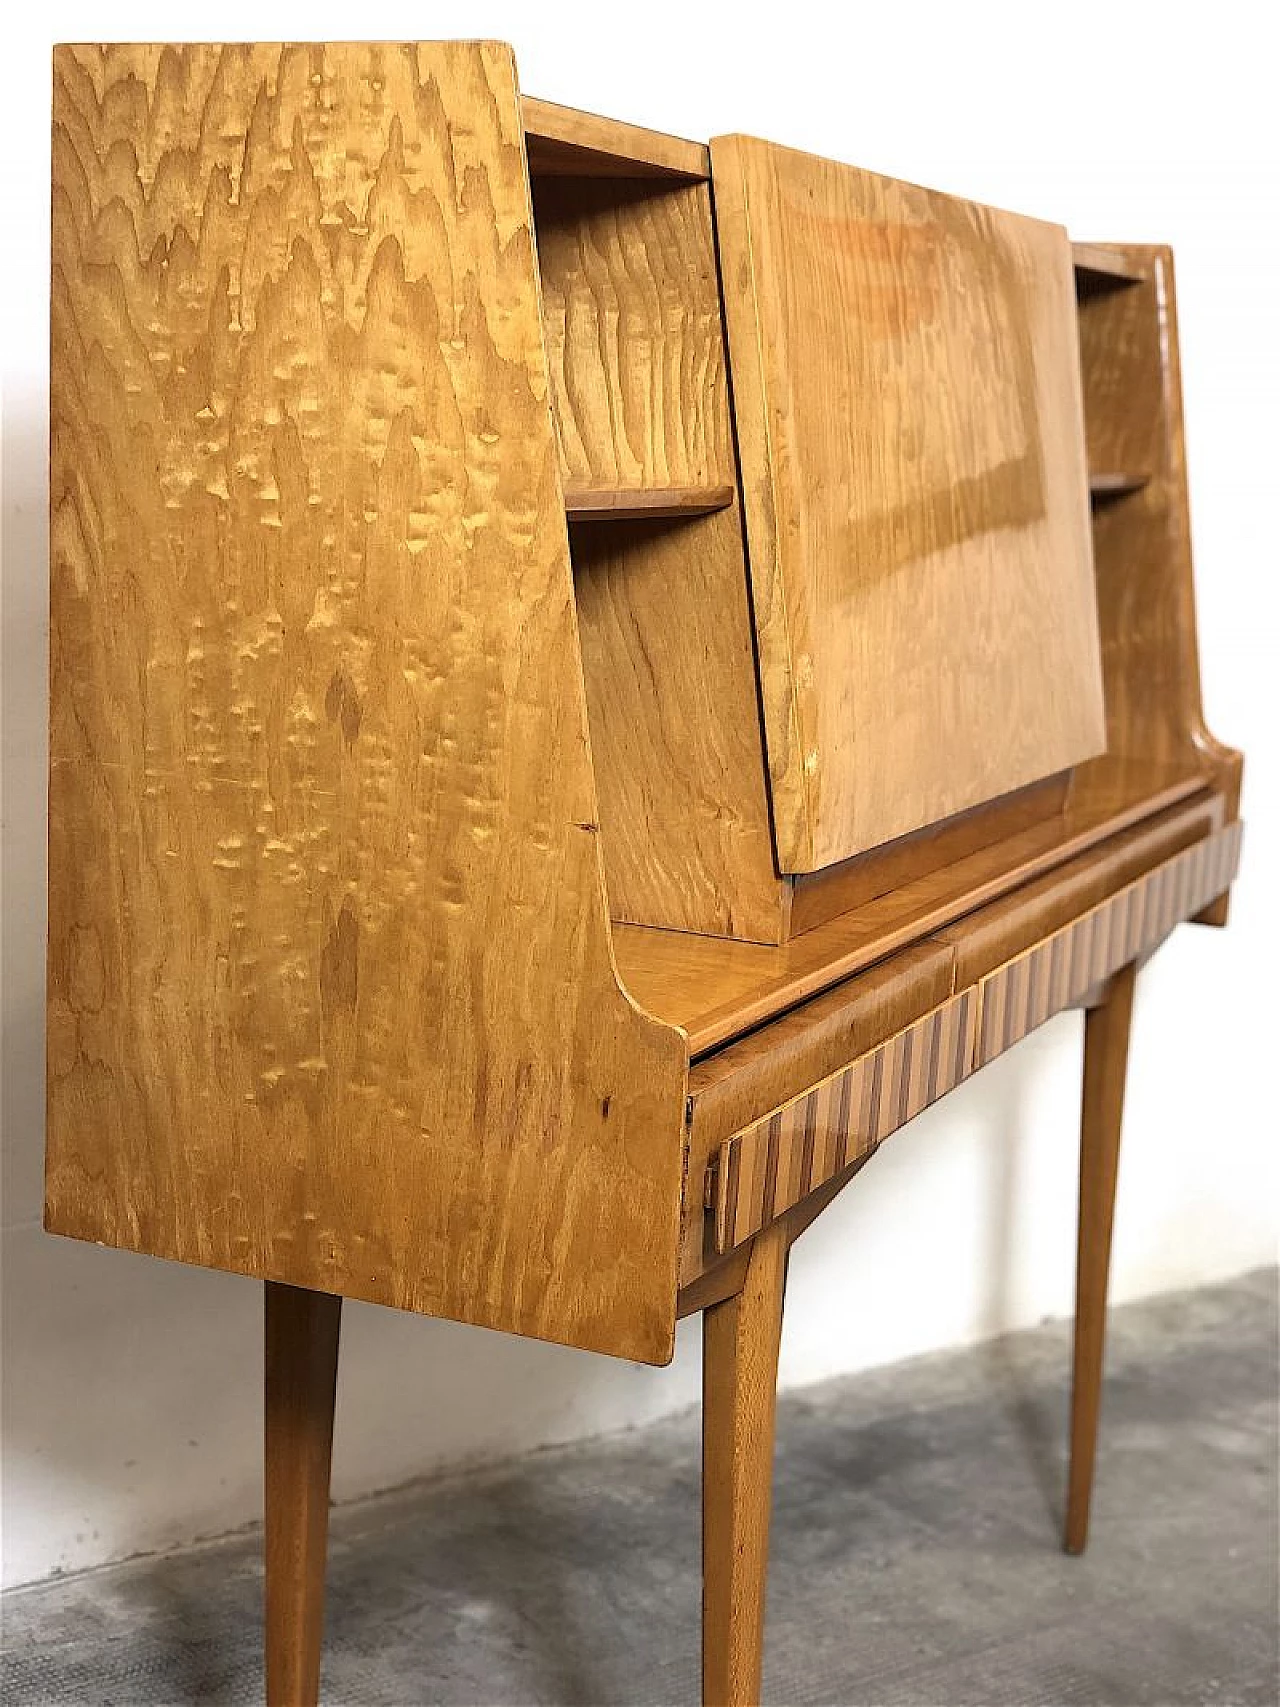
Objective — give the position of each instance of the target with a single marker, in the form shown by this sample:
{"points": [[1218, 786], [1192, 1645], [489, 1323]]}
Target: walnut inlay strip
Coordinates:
{"points": [[771, 1164], [1060, 971]]}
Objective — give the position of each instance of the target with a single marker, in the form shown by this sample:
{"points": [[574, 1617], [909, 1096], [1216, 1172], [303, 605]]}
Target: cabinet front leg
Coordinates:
{"points": [[739, 1389], [301, 1376], [1106, 1053]]}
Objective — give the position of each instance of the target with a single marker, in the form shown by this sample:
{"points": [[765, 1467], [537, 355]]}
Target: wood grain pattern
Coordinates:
{"points": [[758, 1073], [917, 518], [1123, 379], [778, 1159], [997, 933], [675, 730], [632, 310], [778, 1062], [1142, 545], [333, 995], [740, 1340], [330, 992], [562, 141], [821, 895], [635, 343], [716, 990]]}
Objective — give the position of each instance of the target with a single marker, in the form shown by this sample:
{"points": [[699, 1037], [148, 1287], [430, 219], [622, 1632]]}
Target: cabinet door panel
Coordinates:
{"points": [[908, 399]]}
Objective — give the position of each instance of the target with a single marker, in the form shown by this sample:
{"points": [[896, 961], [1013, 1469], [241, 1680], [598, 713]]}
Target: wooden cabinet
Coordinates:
{"points": [[586, 689]]}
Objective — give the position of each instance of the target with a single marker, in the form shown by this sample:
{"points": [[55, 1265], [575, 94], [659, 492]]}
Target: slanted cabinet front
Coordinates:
{"points": [[907, 391]]}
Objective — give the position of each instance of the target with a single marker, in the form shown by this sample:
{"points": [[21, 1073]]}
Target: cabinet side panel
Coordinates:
{"points": [[331, 997], [908, 397]]}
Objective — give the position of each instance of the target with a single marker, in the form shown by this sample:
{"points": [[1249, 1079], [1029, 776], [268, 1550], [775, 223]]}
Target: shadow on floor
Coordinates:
{"points": [[915, 1553]]}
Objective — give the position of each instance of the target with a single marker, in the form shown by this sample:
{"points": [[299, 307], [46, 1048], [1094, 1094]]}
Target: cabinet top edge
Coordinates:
{"points": [[566, 141]]}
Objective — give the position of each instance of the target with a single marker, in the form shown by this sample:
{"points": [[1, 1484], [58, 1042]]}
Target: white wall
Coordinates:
{"points": [[130, 1386]]}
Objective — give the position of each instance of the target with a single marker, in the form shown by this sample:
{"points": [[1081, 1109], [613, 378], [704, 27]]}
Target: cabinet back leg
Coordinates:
{"points": [[740, 1340], [1106, 1053], [301, 1376]]}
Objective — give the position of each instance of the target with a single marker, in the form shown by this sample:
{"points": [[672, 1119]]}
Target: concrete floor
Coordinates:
{"points": [[915, 1554]]}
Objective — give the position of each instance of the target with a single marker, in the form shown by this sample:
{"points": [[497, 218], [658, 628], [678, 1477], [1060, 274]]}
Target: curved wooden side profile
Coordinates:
{"points": [[1131, 366], [331, 995]]}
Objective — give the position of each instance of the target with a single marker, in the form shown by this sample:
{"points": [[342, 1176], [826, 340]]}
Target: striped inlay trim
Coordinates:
{"points": [[1060, 971], [777, 1160]]}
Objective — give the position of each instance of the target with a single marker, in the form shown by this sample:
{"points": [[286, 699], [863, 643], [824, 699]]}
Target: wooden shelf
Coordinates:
{"points": [[563, 142], [616, 503], [1099, 269], [1103, 488]]}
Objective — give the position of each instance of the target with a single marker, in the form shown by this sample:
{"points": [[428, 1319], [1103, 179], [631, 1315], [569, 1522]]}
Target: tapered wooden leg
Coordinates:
{"points": [[739, 1388], [1106, 1053], [301, 1374]]}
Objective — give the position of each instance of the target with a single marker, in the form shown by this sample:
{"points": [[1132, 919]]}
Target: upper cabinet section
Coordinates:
{"points": [[907, 393]]}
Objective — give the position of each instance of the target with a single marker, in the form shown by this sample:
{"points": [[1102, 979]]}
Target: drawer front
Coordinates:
{"points": [[777, 1160]]}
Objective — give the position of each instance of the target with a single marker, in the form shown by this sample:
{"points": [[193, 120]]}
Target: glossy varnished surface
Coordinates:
{"points": [[777, 1065], [772, 1166], [1066, 965], [1015, 923], [743, 1082], [330, 993], [738, 1084], [1142, 542], [823, 895], [333, 998], [774, 1163], [908, 407], [635, 344], [717, 990]]}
